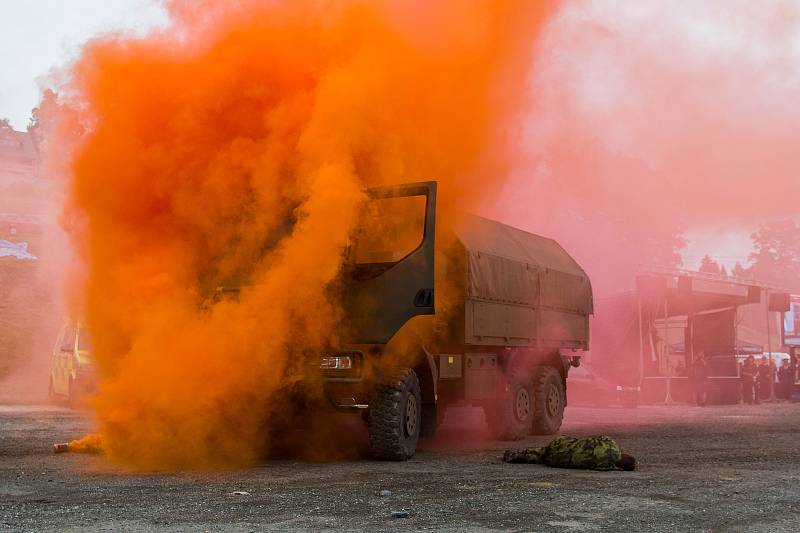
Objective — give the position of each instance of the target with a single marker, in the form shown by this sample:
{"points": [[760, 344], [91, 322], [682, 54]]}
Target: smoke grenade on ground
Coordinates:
{"points": [[91, 443]]}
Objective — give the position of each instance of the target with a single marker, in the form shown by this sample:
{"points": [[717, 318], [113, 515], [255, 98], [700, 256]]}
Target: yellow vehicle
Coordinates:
{"points": [[72, 374]]}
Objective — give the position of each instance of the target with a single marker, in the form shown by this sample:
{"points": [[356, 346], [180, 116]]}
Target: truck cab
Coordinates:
{"points": [[466, 312]]}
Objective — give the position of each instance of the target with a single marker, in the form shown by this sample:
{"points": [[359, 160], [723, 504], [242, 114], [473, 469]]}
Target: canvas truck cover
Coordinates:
{"points": [[521, 288]]}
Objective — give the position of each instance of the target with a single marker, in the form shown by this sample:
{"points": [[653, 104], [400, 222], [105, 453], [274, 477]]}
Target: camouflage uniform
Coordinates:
{"points": [[590, 453]]}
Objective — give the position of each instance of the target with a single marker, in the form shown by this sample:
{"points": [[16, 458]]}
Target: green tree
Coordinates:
{"points": [[776, 258], [741, 272], [709, 266], [40, 124]]}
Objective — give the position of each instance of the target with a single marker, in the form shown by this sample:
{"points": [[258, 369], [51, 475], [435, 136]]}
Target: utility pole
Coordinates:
{"points": [[770, 361]]}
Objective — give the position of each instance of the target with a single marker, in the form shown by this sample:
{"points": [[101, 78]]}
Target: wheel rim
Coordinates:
{"points": [[522, 404], [411, 415], [553, 400]]}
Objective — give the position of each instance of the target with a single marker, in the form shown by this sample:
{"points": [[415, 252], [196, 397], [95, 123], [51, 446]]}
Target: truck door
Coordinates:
{"points": [[390, 262], [65, 347]]}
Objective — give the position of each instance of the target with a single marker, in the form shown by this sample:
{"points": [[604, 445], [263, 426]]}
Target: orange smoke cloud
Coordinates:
{"points": [[232, 148]]}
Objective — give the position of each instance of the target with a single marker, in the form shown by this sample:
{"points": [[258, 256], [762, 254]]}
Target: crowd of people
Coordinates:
{"points": [[761, 379]]}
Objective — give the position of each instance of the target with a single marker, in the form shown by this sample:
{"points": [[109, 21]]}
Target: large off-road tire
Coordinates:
{"points": [[510, 416], [550, 399], [395, 417]]}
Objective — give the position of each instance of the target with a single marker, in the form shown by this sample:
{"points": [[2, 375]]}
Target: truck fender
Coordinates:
{"points": [[428, 374], [522, 361]]}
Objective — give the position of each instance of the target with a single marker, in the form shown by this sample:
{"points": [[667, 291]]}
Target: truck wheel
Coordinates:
{"points": [[510, 416], [395, 417], [548, 389]]}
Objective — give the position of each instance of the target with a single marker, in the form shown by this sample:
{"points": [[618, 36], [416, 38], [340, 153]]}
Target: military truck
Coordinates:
{"points": [[474, 312]]}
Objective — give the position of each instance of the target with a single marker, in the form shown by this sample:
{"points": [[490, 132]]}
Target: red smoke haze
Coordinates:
{"points": [[658, 118]]}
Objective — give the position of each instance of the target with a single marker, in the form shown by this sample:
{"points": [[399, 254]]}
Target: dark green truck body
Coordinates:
{"points": [[479, 313]]}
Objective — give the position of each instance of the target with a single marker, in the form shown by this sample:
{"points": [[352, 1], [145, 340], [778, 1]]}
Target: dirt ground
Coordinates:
{"points": [[731, 468]]}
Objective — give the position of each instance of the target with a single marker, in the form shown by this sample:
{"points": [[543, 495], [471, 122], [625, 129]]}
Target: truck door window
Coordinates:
{"points": [[84, 340], [68, 341], [389, 230]]}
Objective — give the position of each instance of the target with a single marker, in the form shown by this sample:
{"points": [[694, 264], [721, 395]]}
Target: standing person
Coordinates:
{"points": [[773, 377], [763, 377], [748, 378], [700, 378], [785, 381], [794, 364]]}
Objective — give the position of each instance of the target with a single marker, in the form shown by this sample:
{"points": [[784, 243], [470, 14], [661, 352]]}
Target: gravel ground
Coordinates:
{"points": [[725, 468]]}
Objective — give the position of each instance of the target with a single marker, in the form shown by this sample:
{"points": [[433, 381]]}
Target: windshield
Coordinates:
{"points": [[390, 229], [84, 340], [68, 340]]}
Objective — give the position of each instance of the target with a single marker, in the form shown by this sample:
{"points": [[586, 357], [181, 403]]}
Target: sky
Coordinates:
{"points": [[666, 110], [47, 34], [39, 35]]}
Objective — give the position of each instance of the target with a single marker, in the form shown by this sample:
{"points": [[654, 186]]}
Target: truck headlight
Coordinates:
{"points": [[336, 362]]}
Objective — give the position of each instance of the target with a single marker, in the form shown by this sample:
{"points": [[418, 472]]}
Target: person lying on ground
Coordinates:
{"points": [[590, 453]]}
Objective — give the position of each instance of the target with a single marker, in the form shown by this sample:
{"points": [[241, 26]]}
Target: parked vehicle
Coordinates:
{"points": [[72, 374], [587, 388]]}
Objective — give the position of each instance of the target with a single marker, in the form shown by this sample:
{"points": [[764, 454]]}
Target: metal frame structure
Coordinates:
{"points": [[673, 292]]}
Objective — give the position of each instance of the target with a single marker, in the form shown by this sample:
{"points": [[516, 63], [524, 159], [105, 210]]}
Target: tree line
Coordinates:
{"points": [[775, 257]]}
